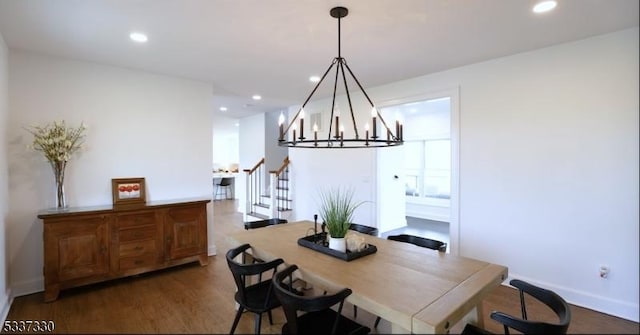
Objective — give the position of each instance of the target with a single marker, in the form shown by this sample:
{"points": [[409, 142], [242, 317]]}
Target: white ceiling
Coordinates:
{"points": [[247, 47]]}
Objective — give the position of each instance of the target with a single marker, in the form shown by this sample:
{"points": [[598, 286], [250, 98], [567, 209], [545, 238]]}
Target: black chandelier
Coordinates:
{"points": [[335, 135]]}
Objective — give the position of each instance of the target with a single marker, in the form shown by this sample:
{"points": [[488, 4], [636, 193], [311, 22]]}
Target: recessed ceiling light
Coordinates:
{"points": [[138, 37], [256, 97], [237, 125], [544, 6], [314, 79], [223, 109]]}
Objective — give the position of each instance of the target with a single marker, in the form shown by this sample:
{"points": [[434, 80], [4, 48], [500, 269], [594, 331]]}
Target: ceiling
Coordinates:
{"points": [[247, 47]]}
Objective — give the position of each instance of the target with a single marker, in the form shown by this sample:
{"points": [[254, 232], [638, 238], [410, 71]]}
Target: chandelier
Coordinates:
{"points": [[378, 135]]}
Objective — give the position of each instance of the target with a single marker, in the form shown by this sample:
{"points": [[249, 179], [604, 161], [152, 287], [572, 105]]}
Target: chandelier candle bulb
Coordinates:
{"points": [[366, 134], [375, 128], [281, 124], [294, 133], [302, 124], [315, 134]]}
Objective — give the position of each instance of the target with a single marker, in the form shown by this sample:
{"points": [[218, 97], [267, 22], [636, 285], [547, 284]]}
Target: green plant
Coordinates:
{"points": [[336, 210]]}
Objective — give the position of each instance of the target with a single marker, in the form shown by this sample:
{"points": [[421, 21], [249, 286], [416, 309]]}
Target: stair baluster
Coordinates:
{"points": [[254, 187]]}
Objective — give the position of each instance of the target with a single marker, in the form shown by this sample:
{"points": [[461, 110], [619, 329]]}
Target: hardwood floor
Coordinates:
{"points": [[195, 299]]}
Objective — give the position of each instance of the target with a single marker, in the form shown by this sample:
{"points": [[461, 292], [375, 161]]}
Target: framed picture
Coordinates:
{"points": [[128, 191]]}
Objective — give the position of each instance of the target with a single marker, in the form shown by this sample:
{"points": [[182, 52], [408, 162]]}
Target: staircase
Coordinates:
{"points": [[266, 201]]}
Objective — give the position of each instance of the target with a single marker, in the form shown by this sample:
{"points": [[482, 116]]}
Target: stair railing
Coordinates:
{"points": [[279, 190], [254, 186]]}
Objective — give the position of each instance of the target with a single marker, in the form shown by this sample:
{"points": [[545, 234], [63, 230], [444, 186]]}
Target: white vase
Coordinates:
{"points": [[338, 244]]}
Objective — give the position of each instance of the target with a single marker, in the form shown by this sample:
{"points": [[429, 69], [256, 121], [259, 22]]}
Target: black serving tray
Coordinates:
{"points": [[316, 242]]}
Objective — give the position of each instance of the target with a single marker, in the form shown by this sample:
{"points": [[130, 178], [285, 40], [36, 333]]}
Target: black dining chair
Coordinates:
{"points": [[256, 298], [524, 324], [263, 223], [420, 241], [318, 316], [364, 229]]}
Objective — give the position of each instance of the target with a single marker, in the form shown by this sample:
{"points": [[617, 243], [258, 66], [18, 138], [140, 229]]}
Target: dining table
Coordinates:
{"points": [[418, 290]]}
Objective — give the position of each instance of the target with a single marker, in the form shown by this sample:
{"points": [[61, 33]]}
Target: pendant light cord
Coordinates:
{"points": [[339, 44]]}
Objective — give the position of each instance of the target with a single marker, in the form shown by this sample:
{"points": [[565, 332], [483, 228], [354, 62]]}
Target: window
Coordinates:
{"points": [[413, 163], [437, 171], [427, 149], [428, 168]]}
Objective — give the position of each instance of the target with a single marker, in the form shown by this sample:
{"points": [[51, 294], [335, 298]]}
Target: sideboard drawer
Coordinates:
{"points": [[138, 262], [138, 219], [138, 233], [138, 248]]}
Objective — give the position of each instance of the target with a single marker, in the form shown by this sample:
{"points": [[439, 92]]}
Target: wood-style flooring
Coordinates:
{"points": [[194, 299]]}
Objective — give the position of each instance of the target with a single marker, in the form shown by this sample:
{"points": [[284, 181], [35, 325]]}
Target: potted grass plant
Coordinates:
{"points": [[336, 210]]}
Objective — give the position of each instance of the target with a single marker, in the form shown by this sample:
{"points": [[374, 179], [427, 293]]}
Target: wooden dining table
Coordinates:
{"points": [[417, 290]]}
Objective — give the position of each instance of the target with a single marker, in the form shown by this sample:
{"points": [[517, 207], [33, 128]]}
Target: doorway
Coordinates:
{"points": [[429, 169]]}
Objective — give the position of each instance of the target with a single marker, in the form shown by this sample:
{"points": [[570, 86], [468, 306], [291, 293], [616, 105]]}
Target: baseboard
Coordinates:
{"points": [[5, 302], [37, 285], [617, 308], [28, 287], [212, 251]]}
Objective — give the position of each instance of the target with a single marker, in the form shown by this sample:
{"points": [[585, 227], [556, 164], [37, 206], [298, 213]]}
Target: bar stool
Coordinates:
{"points": [[224, 183]]}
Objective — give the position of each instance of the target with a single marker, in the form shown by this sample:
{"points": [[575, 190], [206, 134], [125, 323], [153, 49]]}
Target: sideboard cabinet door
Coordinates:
{"points": [[186, 232], [77, 251]]}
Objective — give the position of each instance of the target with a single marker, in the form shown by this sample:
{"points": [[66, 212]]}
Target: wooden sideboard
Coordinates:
{"points": [[87, 245]]}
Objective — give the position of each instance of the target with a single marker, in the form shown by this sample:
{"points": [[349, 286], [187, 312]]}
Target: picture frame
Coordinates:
{"points": [[128, 191]]}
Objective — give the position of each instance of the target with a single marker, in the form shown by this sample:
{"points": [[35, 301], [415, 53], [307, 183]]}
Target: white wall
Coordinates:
{"points": [[273, 153], [314, 170], [549, 162], [226, 142], [548, 166], [139, 125], [252, 130], [4, 179]]}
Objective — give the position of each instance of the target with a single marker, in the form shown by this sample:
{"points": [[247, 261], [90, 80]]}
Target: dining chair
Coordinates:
{"points": [[263, 223], [256, 298], [225, 185], [364, 229], [318, 317], [526, 325], [419, 241]]}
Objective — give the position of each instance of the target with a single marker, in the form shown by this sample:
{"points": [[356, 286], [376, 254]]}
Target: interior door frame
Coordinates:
{"points": [[453, 94]]}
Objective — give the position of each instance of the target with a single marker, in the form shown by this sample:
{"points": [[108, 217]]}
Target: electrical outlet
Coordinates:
{"points": [[604, 271]]}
